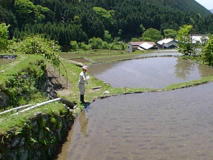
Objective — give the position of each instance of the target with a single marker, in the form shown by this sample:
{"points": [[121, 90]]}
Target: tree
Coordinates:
{"points": [[74, 45], [28, 12], [107, 36], [184, 40], [207, 55], [104, 15], [152, 34], [77, 20], [3, 36], [84, 46], [96, 43], [170, 33], [39, 45]]}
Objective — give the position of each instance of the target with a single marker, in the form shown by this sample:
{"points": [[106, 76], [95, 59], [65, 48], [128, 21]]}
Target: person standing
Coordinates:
{"points": [[81, 83]]}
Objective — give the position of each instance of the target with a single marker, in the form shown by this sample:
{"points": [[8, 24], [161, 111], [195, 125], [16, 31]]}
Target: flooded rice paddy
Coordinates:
{"points": [[172, 125], [165, 52], [157, 72], [117, 55]]}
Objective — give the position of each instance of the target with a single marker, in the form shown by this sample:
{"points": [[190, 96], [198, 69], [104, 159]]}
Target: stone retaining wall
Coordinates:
{"points": [[39, 139]]}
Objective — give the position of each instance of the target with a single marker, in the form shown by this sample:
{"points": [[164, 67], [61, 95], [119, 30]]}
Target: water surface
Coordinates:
{"points": [[172, 125], [157, 72], [113, 56]]}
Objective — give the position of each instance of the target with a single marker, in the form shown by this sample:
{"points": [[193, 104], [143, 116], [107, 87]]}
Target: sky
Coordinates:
{"points": [[208, 4]]}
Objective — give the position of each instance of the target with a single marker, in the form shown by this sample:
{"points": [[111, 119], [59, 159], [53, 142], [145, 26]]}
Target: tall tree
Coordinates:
{"points": [[185, 40], [208, 53], [152, 34], [170, 33], [3, 36]]}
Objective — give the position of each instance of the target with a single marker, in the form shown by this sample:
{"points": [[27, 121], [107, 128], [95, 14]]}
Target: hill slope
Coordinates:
{"points": [[78, 20], [182, 5]]}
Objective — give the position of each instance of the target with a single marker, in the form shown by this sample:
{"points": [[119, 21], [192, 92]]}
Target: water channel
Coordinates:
{"points": [[168, 125]]}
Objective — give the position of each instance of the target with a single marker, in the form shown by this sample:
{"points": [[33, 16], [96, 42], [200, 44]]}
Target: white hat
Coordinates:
{"points": [[85, 68]]}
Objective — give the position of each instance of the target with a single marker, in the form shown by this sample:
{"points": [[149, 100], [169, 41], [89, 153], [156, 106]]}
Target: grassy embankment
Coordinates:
{"points": [[9, 122], [8, 71]]}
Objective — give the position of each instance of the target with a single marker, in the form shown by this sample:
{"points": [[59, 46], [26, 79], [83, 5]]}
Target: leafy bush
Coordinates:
{"points": [[3, 36], [74, 45], [38, 45], [152, 34], [208, 53], [84, 46], [96, 43]]}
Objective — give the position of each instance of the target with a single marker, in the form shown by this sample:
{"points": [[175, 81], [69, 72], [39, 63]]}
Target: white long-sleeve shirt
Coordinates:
{"points": [[83, 78]]}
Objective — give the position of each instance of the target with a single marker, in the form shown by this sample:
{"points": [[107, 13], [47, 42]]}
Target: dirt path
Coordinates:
{"points": [[62, 85]]}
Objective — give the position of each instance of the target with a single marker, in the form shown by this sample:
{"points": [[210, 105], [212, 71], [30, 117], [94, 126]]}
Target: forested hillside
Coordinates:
{"points": [[67, 20]]}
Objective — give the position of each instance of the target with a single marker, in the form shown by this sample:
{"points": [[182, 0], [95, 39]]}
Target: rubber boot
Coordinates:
{"points": [[82, 98]]}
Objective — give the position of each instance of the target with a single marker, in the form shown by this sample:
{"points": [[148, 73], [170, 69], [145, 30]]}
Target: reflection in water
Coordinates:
{"points": [[204, 70], [172, 125], [183, 68], [169, 52], [83, 123], [156, 72], [101, 68]]}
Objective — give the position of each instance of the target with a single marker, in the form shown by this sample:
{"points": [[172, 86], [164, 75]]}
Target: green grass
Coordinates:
{"points": [[94, 55], [190, 83], [17, 65], [16, 122], [99, 51]]}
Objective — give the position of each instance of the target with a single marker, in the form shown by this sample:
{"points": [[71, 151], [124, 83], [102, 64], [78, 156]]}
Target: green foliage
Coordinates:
{"points": [[63, 33], [105, 45], [107, 36], [207, 55], [3, 36], [184, 40], [77, 20], [29, 12], [170, 33], [104, 15], [134, 39], [118, 45], [72, 20], [85, 47], [20, 86], [96, 43], [74, 45], [152, 34], [38, 45]]}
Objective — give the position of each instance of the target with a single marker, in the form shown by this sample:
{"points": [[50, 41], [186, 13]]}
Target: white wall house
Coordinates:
{"points": [[199, 38], [167, 43], [132, 46]]}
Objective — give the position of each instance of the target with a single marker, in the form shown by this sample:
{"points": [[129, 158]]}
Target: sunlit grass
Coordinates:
{"points": [[16, 122], [20, 63]]}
